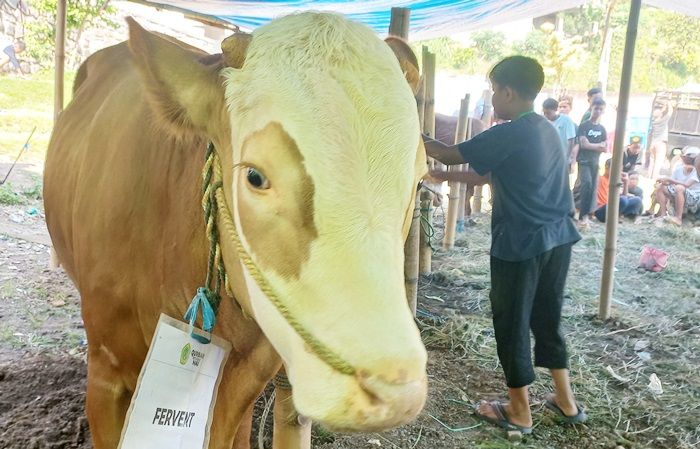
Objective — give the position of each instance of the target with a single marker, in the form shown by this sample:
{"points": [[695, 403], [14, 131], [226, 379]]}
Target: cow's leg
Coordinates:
{"points": [[107, 401], [290, 431]]}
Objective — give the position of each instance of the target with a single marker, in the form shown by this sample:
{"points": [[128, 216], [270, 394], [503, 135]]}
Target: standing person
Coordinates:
{"points": [[564, 126], [592, 141], [592, 94], [566, 102], [658, 138], [532, 235]]}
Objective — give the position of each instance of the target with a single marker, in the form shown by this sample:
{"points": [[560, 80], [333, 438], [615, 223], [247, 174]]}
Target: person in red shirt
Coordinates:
{"points": [[630, 205]]}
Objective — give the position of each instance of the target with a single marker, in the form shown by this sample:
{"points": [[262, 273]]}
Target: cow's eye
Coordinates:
{"points": [[256, 179]]}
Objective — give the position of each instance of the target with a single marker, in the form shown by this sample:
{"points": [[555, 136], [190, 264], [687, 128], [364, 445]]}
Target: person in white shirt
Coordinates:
{"points": [[683, 188]]}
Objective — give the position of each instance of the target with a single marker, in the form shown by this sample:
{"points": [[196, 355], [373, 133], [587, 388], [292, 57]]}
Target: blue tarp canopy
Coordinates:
{"points": [[429, 18]]}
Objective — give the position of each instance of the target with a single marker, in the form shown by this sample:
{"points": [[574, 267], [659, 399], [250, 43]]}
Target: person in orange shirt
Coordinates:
{"points": [[630, 205]]}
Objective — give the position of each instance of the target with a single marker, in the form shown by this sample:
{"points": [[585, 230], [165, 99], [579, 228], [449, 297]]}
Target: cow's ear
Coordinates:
{"points": [[186, 94], [407, 60], [234, 49]]}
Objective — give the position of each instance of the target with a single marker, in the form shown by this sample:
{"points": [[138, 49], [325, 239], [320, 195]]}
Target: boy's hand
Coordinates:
{"points": [[436, 177]]}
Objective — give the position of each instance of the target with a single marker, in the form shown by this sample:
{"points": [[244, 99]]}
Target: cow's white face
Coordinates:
{"points": [[327, 156]]}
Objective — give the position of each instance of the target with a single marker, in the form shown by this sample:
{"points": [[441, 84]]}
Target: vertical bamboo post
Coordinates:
{"points": [[426, 251], [462, 134], [60, 58], [455, 187], [59, 63], [613, 209], [399, 26], [400, 21], [487, 117]]}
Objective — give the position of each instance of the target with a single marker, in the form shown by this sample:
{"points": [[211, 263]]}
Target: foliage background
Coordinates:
{"points": [[667, 51]]}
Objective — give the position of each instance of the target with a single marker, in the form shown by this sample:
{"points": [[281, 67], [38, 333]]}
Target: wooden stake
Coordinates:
{"points": [[426, 232], [410, 250], [400, 22], [461, 135], [486, 117], [613, 209], [60, 58], [426, 197], [453, 205], [399, 26]]}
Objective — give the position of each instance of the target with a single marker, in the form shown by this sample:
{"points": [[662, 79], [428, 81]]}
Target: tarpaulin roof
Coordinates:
{"points": [[429, 18]]}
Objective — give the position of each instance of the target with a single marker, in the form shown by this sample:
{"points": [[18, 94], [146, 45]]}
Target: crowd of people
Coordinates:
{"points": [[673, 197]]}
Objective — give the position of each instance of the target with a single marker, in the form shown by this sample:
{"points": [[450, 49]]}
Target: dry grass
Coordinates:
{"points": [[655, 330]]}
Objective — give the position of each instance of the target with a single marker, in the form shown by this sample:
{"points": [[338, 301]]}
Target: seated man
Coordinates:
{"points": [[683, 188], [632, 156], [630, 205]]}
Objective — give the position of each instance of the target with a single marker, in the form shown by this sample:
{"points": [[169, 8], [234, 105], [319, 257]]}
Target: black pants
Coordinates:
{"points": [[528, 295], [588, 184]]}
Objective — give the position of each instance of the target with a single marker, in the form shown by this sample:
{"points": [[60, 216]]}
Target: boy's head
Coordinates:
{"points": [[635, 145], [549, 109], [597, 108], [19, 46], [565, 104], [593, 93], [516, 81], [632, 179]]}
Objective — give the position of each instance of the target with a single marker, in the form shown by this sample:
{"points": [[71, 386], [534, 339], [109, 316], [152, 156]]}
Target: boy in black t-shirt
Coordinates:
{"points": [[532, 235], [593, 141]]}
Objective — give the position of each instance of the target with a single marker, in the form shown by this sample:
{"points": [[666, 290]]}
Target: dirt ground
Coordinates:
{"points": [[655, 333]]}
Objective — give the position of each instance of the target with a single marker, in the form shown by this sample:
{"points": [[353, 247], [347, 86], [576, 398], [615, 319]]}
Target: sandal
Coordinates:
{"points": [[578, 418], [501, 419]]}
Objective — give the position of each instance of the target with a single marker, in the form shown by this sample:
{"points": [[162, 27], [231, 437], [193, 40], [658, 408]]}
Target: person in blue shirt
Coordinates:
{"points": [[564, 126], [532, 236]]}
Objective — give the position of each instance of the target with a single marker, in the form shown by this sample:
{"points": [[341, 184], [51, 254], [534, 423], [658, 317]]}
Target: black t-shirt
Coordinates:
{"points": [[629, 161], [532, 204], [594, 133]]}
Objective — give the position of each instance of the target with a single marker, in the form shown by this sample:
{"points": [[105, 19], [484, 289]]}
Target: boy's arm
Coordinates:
{"points": [[468, 177], [586, 145], [447, 154]]}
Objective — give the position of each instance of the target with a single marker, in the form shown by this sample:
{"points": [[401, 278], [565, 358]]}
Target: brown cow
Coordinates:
{"points": [[317, 135]]}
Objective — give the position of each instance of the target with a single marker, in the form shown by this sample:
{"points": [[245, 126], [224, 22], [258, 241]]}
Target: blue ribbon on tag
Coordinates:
{"points": [[204, 299]]}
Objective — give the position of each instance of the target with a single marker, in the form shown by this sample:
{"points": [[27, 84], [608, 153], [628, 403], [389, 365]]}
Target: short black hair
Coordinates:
{"points": [[598, 102], [594, 91], [522, 74], [633, 172], [550, 104]]}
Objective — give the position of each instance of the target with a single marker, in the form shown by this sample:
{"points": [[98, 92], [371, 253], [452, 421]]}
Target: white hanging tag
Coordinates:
{"points": [[176, 390]]}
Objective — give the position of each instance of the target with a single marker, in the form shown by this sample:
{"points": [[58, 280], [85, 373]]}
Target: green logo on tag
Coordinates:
{"points": [[185, 354]]}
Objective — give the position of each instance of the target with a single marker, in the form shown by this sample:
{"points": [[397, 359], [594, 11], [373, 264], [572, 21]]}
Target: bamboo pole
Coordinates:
{"points": [[455, 187], [487, 117], [400, 21], [59, 63], [60, 58], [613, 209], [426, 198], [461, 135]]}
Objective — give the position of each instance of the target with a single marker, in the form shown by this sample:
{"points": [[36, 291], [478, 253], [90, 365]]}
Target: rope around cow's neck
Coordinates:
{"points": [[215, 206]]}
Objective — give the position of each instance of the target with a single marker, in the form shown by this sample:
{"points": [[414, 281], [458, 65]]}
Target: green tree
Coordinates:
{"points": [[80, 15], [490, 45]]}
